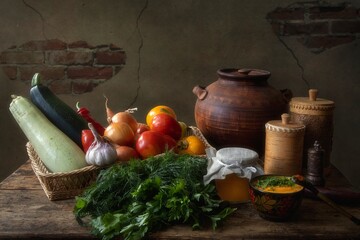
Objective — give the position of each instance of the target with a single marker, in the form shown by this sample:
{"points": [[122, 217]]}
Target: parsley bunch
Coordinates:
{"points": [[140, 197]]}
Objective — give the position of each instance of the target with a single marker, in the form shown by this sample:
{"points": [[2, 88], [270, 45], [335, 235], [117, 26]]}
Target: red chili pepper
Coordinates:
{"points": [[87, 138], [85, 113]]}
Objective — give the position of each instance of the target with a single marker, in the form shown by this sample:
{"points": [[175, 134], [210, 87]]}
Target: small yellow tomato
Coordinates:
{"points": [[191, 145], [183, 129], [157, 110]]}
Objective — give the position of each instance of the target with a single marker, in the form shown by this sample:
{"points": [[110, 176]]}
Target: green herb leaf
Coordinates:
{"points": [[274, 181], [139, 197]]}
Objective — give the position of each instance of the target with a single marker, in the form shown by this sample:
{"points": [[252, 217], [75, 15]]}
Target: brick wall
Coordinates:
{"points": [[67, 68], [317, 25]]}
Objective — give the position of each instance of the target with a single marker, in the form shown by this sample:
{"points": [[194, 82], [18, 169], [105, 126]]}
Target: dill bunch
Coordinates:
{"points": [[138, 197]]}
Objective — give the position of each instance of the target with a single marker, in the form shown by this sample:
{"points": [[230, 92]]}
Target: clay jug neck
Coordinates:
{"points": [[248, 76]]}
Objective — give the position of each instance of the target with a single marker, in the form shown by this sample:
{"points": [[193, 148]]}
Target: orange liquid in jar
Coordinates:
{"points": [[233, 188]]}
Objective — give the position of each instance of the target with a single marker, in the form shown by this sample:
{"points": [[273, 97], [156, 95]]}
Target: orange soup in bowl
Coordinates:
{"points": [[277, 184], [275, 197]]}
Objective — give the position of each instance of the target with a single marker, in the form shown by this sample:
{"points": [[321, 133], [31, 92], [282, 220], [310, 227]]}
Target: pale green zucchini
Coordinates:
{"points": [[56, 150]]}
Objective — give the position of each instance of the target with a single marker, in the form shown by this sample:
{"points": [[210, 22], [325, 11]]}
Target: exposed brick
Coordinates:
{"points": [[322, 25], [69, 57], [310, 28], [278, 28], [83, 86], [117, 69], [90, 72], [286, 14], [345, 27], [47, 72], [325, 42], [80, 44], [110, 58], [102, 46], [60, 86], [15, 57], [65, 68], [10, 71], [333, 12], [43, 45], [114, 47]]}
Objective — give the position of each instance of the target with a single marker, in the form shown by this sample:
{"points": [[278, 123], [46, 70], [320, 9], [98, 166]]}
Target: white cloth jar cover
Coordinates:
{"points": [[241, 161]]}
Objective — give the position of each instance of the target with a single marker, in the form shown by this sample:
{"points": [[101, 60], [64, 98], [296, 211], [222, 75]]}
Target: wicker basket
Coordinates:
{"points": [[60, 186]]}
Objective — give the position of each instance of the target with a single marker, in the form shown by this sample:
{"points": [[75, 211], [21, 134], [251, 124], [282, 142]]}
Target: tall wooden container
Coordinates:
{"points": [[317, 115], [283, 146]]}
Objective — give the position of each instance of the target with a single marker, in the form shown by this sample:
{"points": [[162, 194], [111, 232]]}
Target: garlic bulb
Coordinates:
{"points": [[101, 152]]}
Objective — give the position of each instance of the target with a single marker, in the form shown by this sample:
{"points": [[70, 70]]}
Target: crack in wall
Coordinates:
{"points": [[43, 22], [41, 17], [139, 52], [137, 29], [318, 25], [296, 60]]}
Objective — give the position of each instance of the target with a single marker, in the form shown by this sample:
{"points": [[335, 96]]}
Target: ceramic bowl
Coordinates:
{"points": [[274, 206]]}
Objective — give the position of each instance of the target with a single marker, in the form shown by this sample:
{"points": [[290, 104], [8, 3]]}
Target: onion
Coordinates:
{"points": [[125, 117], [109, 112], [125, 153], [120, 133]]}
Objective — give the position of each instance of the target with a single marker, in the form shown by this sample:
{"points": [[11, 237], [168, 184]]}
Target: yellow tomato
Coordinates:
{"points": [[191, 145], [183, 129], [159, 109]]}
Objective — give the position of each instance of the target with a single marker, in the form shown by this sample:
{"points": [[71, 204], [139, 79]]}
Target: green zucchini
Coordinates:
{"points": [[57, 111], [56, 150]]}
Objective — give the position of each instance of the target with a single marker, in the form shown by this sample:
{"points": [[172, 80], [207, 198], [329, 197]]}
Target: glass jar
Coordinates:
{"points": [[231, 168]]}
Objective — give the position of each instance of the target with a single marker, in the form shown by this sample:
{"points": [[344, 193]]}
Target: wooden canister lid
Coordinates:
{"points": [[311, 105], [284, 125]]}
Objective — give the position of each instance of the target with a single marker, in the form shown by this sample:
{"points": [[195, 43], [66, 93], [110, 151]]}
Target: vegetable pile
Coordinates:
{"points": [[153, 176], [140, 197], [124, 138], [161, 132]]}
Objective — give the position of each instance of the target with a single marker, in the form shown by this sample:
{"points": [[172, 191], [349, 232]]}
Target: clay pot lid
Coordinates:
{"points": [[243, 73], [312, 100], [284, 125]]}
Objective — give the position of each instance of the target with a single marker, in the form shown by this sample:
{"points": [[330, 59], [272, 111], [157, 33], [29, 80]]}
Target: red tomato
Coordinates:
{"points": [[87, 138], [158, 110], [141, 127], [150, 143], [167, 125], [170, 143]]}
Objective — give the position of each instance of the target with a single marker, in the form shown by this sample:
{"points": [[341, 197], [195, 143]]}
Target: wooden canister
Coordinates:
{"points": [[283, 146], [317, 115]]}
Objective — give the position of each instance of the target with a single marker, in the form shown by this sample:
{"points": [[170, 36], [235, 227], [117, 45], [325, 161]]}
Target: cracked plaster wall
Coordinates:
{"points": [[171, 46]]}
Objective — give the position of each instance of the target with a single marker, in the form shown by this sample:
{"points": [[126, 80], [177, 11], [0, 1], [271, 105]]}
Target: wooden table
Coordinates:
{"points": [[27, 213]]}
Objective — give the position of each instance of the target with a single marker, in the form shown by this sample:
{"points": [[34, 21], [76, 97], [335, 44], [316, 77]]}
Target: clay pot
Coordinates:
{"points": [[232, 111]]}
